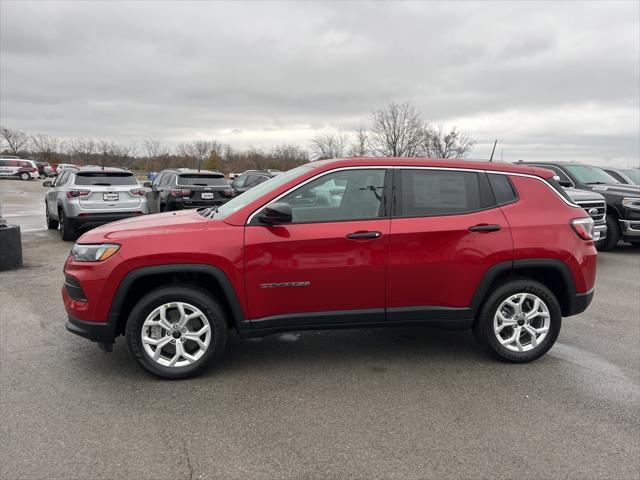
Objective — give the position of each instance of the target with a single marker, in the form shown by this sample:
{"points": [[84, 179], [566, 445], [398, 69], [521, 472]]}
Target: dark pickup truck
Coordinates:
{"points": [[623, 201]]}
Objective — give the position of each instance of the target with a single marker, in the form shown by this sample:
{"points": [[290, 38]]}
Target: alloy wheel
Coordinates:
{"points": [[521, 322], [176, 334]]}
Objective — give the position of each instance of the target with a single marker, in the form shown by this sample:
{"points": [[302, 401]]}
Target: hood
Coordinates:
{"points": [[147, 225], [583, 195]]}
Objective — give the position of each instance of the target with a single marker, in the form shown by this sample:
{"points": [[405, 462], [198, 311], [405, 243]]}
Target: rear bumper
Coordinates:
{"points": [[630, 228], [578, 303], [92, 220]]}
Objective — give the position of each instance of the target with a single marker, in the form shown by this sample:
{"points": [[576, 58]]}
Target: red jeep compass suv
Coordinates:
{"points": [[366, 242]]}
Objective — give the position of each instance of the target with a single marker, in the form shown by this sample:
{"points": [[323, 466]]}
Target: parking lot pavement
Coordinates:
{"points": [[23, 203], [387, 403]]}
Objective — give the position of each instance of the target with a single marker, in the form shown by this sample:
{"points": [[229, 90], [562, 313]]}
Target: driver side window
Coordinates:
{"points": [[339, 196]]}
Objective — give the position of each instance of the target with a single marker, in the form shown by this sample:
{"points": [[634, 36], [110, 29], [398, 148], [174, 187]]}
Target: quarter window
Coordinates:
{"points": [[502, 189], [442, 192], [339, 196]]}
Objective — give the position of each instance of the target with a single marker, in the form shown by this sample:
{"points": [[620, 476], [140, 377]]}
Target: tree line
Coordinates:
{"points": [[396, 130]]}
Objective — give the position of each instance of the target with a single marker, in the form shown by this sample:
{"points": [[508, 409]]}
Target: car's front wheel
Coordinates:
{"points": [[176, 332], [520, 321]]}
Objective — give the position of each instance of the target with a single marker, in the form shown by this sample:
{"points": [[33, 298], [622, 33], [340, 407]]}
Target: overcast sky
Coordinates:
{"points": [[549, 80]]}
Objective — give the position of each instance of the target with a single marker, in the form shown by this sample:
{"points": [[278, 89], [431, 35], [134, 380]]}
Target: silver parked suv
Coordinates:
{"points": [[83, 198]]}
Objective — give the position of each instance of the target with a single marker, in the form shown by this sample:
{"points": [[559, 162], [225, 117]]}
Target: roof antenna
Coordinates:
{"points": [[494, 150]]}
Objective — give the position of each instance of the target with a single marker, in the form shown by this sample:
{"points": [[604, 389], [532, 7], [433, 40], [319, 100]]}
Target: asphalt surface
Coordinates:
{"points": [[387, 403]]}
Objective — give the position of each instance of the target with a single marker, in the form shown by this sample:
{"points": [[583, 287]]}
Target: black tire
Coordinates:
{"points": [[613, 235], [192, 295], [67, 232], [25, 176], [483, 329], [635, 243], [51, 224]]}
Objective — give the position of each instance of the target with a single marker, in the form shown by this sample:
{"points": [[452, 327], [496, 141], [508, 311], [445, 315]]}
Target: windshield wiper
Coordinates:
{"points": [[595, 183], [209, 212]]}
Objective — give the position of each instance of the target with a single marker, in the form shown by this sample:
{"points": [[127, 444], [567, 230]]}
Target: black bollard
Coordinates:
{"points": [[10, 247]]}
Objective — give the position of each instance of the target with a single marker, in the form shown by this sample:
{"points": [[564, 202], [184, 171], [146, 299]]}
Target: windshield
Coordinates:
{"points": [[214, 180], [633, 174], [105, 178], [249, 196], [590, 175]]}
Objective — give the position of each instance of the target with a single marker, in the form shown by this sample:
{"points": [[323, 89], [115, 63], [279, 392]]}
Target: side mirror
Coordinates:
{"points": [[276, 213], [147, 184], [48, 183], [564, 183]]}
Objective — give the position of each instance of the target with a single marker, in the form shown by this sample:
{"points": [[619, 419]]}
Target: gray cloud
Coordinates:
{"points": [[544, 78]]}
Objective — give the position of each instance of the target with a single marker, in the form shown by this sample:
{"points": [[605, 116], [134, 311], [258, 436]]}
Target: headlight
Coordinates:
{"points": [[93, 253], [632, 203]]}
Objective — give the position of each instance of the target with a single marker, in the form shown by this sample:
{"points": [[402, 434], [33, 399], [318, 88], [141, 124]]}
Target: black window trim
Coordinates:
{"points": [[397, 188]]}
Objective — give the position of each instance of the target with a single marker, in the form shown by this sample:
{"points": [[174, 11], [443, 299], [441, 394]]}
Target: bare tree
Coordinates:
{"points": [[201, 150], [14, 140], [360, 145], [397, 131], [447, 144], [81, 151], [328, 145], [45, 147]]}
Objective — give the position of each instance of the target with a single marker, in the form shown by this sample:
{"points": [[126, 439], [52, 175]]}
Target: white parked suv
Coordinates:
{"points": [[83, 198], [18, 167]]}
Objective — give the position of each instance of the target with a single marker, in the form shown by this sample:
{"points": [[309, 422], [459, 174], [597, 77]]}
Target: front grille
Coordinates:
{"points": [[73, 288], [600, 206]]}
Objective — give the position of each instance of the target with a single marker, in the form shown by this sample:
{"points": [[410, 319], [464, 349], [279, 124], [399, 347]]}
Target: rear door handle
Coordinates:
{"points": [[483, 227], [361, 235]]}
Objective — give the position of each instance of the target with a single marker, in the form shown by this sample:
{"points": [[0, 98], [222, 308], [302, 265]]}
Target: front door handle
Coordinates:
{"points": [[483, 227], [361, 235]]}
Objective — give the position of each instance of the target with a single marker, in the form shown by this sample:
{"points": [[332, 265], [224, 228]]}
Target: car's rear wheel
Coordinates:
{"points": [[519, 322], [67, 232], [176, 332], [25, 176], [51, 224], [613, 235]]}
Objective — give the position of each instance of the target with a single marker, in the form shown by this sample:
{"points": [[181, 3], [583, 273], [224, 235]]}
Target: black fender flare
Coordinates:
{"points": [[117, 304]]}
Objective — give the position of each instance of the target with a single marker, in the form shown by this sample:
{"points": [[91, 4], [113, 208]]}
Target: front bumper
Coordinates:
{"points": [[630, 228], [599, 232], [92, 220], [101, 332]]}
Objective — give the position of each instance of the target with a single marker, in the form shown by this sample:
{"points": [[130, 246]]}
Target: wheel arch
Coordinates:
{"points": [[552, 273], [142, 280]]}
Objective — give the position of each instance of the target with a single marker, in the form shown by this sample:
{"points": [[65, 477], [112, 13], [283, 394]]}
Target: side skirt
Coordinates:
{"points": [[447, 318]]}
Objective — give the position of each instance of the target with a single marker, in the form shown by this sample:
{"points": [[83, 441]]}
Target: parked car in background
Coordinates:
{"points": [[83, 198], [18, 168], [596, 206], [61, 166], [178, 189], [251, 178], [629, 176], [44, 169], [499, 249], [623, 201]]}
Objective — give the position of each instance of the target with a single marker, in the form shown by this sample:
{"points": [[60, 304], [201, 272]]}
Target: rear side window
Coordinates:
{"points": [[426, 193], [503, 191], [105, 178], [202, 180], [253, 180]]}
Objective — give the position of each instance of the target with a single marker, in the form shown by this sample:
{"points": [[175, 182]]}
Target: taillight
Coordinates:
{"points": [[179, 192], [78, 193], [229, 192], [34, 169], [140, 192], [583, 227]]}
